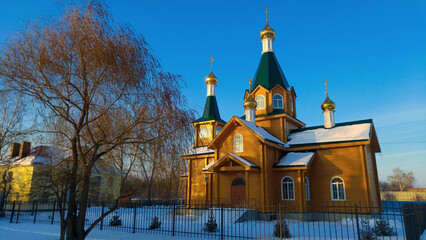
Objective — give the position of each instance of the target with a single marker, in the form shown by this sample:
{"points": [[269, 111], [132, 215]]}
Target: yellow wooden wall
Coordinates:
{"points": [[346, 163]]}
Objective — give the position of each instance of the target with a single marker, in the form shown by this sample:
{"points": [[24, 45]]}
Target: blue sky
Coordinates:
{"points": [[373, 54]]}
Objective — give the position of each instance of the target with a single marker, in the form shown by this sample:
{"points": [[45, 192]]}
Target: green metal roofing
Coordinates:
{"points": [[211, 111], [269, 73]]}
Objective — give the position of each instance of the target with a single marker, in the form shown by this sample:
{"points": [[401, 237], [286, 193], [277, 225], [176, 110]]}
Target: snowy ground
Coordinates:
{"points": [[30, 231]]}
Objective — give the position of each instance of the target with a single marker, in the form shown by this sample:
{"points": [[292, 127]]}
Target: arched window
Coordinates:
{"points": [[291, 104], [287, 130], [307, 192], [277, 101], [205, 132], [337, 189], [238, 143], [287, 188], [260, 100], [218, 130]]}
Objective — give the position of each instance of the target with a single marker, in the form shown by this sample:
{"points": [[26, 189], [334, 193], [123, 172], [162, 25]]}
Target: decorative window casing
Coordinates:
{"points": [[337, 189], [205, 132], [277, 101], [291, 104], [287, 188], [307, 190], [260, 100], [238, 143]]}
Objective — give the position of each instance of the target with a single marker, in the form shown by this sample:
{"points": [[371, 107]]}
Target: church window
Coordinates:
{"points": [[278, 101], [287, 130], [218, 130], [205, 132], [337, 189], [287, 188], [291, 104], [307, 192], [238, 143], [260, 100]]}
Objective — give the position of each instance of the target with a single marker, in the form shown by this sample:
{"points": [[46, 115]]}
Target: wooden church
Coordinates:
{"points": [[269, 156]]}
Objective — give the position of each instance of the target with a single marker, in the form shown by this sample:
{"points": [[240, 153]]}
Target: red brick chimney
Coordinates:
{"points": [[25, 149], [14, 150]]}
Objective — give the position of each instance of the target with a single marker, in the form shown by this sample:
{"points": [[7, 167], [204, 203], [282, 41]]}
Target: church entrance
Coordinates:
{"points": [[238, 192]]}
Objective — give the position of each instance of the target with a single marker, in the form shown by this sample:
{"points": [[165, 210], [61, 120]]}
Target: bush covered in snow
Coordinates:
{"points": [[281, 230], [366, 233], [115, 220], [155, 223], [211, 225], [383, 228]]}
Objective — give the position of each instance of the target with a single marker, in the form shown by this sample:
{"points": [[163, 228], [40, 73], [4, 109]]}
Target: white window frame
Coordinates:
{"points": [[205, 132], [279, 101], [260, 100], [307, 190], [342, 188], [288, 188], [238, 143]]}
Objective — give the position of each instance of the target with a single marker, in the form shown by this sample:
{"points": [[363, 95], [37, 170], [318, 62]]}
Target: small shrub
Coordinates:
{"points": [[281, 229], [210, 225], [115, 220], [383, 228], [366, 233], [155, 223]]}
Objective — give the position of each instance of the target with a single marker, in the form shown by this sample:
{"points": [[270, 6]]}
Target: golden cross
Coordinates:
{"points": [[267, 12], [211, 64], [250, 82], [326, 89]]}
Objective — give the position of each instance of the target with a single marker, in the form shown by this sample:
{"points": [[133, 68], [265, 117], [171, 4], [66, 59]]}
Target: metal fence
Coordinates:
{"points": [[329, 221]]}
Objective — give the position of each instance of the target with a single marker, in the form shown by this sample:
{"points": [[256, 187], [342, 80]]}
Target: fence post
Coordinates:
{"points": [[19, 210], [35, 213], [174, 217], [357, 223], [102, 220], [134, 220], [53, 213], [13, 212], [221, 220], [281, 232]]}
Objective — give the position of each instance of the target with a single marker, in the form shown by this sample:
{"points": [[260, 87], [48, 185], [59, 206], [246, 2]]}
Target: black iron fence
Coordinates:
{"points": [[328, 221]]}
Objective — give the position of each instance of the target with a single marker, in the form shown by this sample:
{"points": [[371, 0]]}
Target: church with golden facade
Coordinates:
{"points": [[269, 156]]}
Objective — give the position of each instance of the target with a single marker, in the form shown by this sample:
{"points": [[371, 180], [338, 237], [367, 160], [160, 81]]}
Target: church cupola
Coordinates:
{"points": [[250, 106], [328, 107], [211, 80], [267, 36]]}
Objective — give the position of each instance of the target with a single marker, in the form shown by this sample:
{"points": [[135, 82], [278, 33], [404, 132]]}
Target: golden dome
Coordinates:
{"points": [[267, 32], [250, 103], [211, 79], [328, 104]]}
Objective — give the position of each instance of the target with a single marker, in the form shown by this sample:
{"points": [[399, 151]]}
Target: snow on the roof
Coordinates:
{"points": [[235, 156], [42, 155], [263, 133], [243, 160], [197, 151], [295, 159], [335, 134]]}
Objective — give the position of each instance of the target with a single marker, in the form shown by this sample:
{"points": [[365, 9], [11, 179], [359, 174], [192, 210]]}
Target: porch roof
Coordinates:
{"points": [[239, 159], [296, 159]]}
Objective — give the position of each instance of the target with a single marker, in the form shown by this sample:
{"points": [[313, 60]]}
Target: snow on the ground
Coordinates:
{"points": [[30, 231], [423, 237]]}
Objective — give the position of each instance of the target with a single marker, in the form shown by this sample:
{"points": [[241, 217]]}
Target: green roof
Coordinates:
{"points": [[211, 111], [269, 73]]}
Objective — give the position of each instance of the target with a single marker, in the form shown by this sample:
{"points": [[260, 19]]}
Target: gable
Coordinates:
{"points": [[229, 130], [230, 162]]}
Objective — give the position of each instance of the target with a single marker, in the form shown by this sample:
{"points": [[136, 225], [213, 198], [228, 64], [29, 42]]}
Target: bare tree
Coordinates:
{"points": [[97, 79], [11, 130], [401, 180]]}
